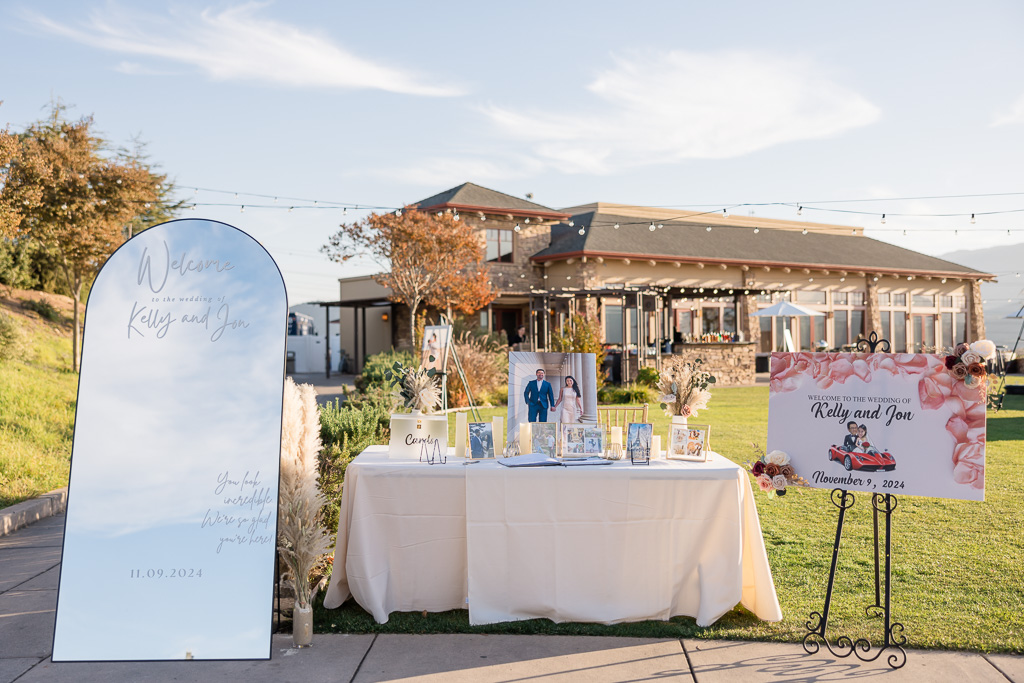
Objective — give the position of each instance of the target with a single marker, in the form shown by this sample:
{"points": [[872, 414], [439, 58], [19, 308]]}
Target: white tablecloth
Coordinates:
{"points": [[602, 544]]}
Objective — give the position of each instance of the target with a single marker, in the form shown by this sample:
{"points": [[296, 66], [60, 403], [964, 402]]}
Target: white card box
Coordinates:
{"points": [[409, 432]]}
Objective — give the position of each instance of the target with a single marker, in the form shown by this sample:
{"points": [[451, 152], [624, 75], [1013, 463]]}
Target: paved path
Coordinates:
{"points": [[30, 562], [327, 390]]}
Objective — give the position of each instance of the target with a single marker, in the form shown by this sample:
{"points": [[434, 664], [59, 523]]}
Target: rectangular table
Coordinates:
{"points": [[602, 544]]}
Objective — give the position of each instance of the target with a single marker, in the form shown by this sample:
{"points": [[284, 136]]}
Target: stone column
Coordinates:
{"points": [[873, 314], [585, 373], [750, 327], [975, 312]]}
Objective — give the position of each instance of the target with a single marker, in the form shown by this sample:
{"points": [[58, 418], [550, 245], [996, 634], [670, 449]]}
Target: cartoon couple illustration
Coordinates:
{"points": [[857, 440]]}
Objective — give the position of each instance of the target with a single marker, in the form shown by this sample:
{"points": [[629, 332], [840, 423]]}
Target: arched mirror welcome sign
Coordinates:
{"points": [[172, 507]]}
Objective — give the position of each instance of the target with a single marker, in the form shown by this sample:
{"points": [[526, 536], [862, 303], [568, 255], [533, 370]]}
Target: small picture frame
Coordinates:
{"points": [[582, 440], [638, 442], [544, 438], [688, 442], [481, 440]]}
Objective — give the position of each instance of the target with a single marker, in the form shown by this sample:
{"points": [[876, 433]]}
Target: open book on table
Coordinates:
{"points": [[541, 460]]}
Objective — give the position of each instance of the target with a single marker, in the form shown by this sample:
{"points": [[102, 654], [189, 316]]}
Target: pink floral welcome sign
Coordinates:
{"points": [[909, 424]]}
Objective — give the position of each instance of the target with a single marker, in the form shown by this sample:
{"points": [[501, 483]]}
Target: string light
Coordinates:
{"points": [[526, 220], [883, 219], [242, 210], [708, 229], [616, 226], [757, 230], [582, 231], [571, 223], [652, 227], [804, 231], [660, 226], [517, 228], [972, 219], [799, 211], [725, 213]]}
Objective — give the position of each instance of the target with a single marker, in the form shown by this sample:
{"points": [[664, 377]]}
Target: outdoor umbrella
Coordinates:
{"points": [[786, 308]]}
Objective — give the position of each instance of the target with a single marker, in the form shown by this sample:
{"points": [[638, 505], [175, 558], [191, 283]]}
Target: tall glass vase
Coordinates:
{"points": [[302, 626]]}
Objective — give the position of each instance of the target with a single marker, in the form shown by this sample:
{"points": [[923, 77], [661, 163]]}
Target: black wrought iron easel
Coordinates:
{"points": [[894, 639]]}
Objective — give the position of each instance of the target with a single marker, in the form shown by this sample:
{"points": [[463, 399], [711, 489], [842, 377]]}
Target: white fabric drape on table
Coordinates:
{"points": [[601, 544]]}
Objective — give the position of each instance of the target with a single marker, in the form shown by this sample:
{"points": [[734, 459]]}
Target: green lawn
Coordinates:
{"points": [[37, 415], [957, 582]]}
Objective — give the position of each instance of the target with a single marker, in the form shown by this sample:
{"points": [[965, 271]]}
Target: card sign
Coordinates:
{"points": [[169, 543], [880, 423]]}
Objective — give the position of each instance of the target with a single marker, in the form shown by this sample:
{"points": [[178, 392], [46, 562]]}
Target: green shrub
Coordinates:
{"points": [[43, 308], [346, 430], [378, 364], [648, 377], [626, 395], [12, 339], [496, 397]]}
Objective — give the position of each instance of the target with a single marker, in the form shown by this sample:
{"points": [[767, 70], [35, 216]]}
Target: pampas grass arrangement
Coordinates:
{"points": [[301, 538]]}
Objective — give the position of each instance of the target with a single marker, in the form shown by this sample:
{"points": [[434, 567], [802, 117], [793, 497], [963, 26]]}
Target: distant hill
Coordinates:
{"points": [[1004, 297]]}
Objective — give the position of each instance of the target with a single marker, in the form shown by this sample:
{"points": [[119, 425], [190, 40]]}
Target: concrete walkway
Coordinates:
{"points": [[327, 390], [30, 563]]}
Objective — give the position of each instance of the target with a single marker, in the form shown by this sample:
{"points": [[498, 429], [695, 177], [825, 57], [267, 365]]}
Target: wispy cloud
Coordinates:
{"points": [[451, 170], [238, 43], [662, 107], [1015, 114]]}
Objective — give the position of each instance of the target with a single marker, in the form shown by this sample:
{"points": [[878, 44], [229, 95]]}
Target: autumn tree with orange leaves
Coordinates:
{"points": [[62, 187], [429, 258]]}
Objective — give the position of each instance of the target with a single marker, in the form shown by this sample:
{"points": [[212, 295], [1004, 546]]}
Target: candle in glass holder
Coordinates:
{"points": [[498, 434], [617, 435], [525, 438], [461, 434], [656, 446]]}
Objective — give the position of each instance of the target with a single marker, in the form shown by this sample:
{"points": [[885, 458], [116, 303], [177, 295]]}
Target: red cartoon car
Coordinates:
{"points": [[870, 462]]}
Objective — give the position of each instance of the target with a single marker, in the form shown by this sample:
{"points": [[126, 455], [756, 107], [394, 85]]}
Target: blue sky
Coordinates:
{"points": [[658, 103]]}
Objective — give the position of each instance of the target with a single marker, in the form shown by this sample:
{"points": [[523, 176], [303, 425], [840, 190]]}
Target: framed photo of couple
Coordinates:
{"points": [[688, 442], [551, 388]]}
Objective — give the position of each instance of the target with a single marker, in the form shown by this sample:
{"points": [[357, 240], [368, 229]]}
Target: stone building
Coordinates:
{"points": [[675, 281]]}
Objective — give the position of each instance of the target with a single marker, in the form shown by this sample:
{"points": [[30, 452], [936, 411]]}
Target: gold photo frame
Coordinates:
{"points": [[688, 442]]}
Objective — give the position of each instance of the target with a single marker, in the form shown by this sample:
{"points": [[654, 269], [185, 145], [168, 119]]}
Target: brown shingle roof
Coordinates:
{"points": [[472, 197], [681, 241]]}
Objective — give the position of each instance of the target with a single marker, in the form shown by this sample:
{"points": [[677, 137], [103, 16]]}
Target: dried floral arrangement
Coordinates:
{"points": [[684, 386], [417, 389], [301, 538], [774, 472]]}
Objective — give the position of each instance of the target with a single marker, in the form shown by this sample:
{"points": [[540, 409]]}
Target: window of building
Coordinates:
{"points": [[499, 245], [856, 298], [806, 297], [947, 302], [899, 299], [841, 326], [856, 325], [729, 319], [947, 328], [886, 328], [612, 324], [883, 299], [711, 318], [766, 335], [805, 334], [839, 298], [924, 301], [959, 302], [899, 332]]}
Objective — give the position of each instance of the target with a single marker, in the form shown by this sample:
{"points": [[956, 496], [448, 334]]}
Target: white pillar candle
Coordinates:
{"points": [[497, 427], [461, 434], [525, 438], [656, 446], [617, 435]]}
